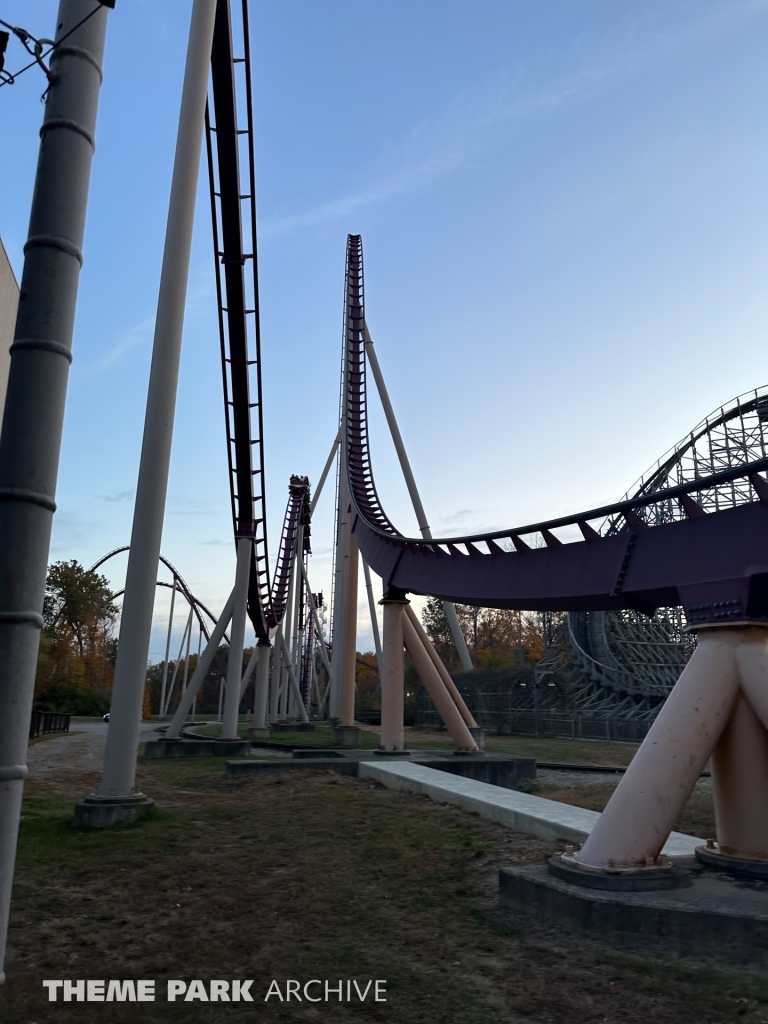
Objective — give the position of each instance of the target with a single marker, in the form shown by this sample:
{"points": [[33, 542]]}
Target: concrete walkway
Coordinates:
{"points": [[547, 819]]}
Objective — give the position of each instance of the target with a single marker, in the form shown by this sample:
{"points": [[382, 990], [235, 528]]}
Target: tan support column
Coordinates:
{"points": [[391, 674], [740, 779], [442, 671], [349, 638], [436, 689], [752, 661], [647, 802]]}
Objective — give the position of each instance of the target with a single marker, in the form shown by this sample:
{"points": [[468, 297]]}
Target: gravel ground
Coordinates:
{"points": [[81, 749]]}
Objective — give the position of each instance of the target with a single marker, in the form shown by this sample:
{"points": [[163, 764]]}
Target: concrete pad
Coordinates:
{"points": [[716, 916], [547, 819], [197, 748], [251, 766]]}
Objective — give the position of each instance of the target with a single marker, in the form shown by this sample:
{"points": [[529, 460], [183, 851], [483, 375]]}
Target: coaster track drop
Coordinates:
{"points": [[232, 183]]}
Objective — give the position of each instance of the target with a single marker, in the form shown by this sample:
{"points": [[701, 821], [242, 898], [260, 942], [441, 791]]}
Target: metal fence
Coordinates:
{"points": [[46, 722], [527, 722]]}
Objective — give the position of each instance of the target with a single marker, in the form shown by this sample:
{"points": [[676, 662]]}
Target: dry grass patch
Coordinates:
{"points": [[315, 875]]}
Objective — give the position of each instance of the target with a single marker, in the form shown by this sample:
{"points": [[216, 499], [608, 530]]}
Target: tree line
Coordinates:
{"points": [[78, 648]]}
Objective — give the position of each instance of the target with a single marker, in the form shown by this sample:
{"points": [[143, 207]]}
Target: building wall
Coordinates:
{"points": [[9, 301]]}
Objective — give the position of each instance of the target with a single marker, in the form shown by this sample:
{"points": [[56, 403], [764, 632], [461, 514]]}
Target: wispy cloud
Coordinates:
{"points": [[472, 123], [117, 496], [137, 336], [457, 517]]}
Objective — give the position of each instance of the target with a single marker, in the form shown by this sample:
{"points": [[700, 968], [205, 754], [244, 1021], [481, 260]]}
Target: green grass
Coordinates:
{"points": [[542, 748]]}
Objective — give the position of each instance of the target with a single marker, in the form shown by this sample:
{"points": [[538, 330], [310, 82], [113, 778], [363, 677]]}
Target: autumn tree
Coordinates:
{"points": [[77, 648], [496, 637]]}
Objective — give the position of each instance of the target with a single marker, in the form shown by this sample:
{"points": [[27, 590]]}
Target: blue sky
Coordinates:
{"points": [[564, 224]]}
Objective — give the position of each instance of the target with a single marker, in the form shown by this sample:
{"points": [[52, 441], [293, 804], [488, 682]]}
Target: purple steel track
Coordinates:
{"points": [[713, 564], [239, 326]]}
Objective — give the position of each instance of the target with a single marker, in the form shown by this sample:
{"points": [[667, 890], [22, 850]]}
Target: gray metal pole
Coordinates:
{"points": [[237, 638], [118, 780], [410, 482], [37, 386]]}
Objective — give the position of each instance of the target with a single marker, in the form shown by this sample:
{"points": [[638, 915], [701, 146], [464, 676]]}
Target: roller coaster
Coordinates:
{"points": [[684, 552], [679, 548]]}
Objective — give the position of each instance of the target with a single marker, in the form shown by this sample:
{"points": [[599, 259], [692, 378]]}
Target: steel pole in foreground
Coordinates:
{"points": [[37, 387], [413, 491], [118, 781]]}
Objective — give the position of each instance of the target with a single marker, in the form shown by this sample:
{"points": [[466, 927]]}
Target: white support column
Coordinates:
{"points": [[647, 802], [249, 670], [458, 700], [164, 683], [339, 594], [199, 649], [294, 683], [204, 662], [739, 775], [372, 610], [318, 624], [436, 688], [346, 713], [189, 645], [326, 471], [237, 639], [118, 781], [274, 693], [187, 627], [297, 601], [391, 673], [410, 482], [260, 725]]}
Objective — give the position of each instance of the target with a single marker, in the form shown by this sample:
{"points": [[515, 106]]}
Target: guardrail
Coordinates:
{"points": [[44, 722]]}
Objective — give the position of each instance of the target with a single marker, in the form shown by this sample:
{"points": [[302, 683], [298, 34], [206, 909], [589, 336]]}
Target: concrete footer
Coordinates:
{"points": [[106, 812], [197, 748], [716, 916]]}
